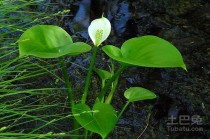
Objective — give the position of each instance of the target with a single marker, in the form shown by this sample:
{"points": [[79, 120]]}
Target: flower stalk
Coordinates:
{"points": [[89, 74], [98, 31]]}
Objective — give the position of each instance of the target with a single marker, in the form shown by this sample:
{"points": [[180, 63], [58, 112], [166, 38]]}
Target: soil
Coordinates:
{"points": [[186, 24]]}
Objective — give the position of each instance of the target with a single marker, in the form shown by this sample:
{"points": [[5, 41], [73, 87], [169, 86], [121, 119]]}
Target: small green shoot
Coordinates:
{"points": [[104, 75]]}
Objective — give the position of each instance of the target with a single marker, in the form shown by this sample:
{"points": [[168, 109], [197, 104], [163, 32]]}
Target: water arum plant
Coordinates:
{"points": [[47, 41]]}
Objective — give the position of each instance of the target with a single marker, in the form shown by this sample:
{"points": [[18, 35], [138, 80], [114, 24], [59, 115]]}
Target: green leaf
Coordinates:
{"points": [[146, 51], [138, 93], [103, 74], [101, 119], [47, 41]]}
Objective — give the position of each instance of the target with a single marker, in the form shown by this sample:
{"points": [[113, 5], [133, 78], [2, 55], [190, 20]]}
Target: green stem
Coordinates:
{"points": [[89, 74], [102, 84], [75, 129], [114, 86], [123, 109], [110, 96], [86, 134], [109, 83], [70, 95], [67, 81]]}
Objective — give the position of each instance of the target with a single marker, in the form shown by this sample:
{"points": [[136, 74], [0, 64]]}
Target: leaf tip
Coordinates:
{"points": [[184, 67]]}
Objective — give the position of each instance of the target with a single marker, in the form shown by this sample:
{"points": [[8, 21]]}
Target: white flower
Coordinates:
{"points": [[99, 30]]}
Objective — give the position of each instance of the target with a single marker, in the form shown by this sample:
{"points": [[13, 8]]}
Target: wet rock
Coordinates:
{"points": [[175, 8], [81, 20]]}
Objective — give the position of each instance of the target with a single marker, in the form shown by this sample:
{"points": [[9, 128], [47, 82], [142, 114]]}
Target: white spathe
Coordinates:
{"points": [[99, 30]]}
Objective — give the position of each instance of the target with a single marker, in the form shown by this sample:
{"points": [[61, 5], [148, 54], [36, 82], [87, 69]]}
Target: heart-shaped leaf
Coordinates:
{"points": [[146, 51], [138, 93], [48, 41], [101, 119]]}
